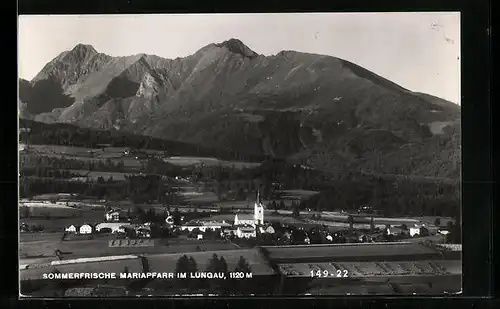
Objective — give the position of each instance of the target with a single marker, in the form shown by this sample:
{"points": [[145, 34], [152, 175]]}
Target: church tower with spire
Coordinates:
{"points": [[258, 211]]}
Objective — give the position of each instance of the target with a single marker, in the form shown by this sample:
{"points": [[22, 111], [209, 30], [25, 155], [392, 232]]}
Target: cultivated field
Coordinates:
{"points": [[352, 252], [400, 285], [188, 161], [57, 224], [297, 194], [372, 269], [161, 263], [96, 174], [199, 197], [45, 244]]}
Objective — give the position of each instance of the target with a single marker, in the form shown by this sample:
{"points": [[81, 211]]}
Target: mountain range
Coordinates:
{"points": [[322, 111]]}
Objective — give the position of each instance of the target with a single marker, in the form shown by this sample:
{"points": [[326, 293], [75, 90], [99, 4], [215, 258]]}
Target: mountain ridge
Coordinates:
{"points": [[312, 108]]}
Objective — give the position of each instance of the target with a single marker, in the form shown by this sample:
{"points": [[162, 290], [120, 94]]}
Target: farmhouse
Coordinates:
{"points": [[86, 229], [143, 231], [269, 229], [414, 231], [112, 226], [394, 230], [113, 215], [71, 229]]}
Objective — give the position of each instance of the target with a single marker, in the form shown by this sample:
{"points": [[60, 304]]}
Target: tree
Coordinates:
{"points": [[222, 265], [192, 267], [213, 264], [242, 286], [182, 265], [282, 205], [437, 222], [242, 266], [372, 225]]}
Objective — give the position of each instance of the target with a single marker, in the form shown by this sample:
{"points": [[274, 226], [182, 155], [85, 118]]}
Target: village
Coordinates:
{"points": [[121, 224]]}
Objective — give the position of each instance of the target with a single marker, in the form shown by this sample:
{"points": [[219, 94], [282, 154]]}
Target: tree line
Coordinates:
{"points": [[390, 198], [140, 189], [69, 135], [108, 165]]}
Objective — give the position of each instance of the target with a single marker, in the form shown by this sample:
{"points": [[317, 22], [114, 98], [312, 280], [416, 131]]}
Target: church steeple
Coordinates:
{"points": [[258, 210]]}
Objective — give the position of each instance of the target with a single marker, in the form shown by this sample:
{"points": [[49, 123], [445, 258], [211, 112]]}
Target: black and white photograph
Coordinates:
{"points": [[263, 154]]}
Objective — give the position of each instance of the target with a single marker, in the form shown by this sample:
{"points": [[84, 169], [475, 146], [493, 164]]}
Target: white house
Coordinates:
{"points": [[85, 229], [143, 231], [394, 230], [269, 229], [246, 232], [200, 237], [71, 229], [113, 226], [414, 231], [113, 215]]}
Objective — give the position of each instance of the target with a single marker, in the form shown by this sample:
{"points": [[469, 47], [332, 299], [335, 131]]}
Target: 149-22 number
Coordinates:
{"points": [[325, 273]]}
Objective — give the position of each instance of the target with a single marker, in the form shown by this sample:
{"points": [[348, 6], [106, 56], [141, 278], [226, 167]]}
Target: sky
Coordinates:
{"points": [[419, 51]]}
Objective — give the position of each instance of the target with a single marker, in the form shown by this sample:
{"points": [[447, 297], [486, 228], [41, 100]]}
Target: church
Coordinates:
{"points": [[255, 219]]}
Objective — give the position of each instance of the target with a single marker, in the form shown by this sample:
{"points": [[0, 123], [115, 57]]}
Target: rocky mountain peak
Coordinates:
{"points": [[237, 47], [84, 49]]}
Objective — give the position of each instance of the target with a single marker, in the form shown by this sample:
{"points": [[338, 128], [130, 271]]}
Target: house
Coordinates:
{"points": [[269, 229], [113, 215], [200, 237], [443, 232], [394, 230], [143, 231], [85, 229], [71, 229], [228, 232], [246, 232], [414, 231], [113, 226]]}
